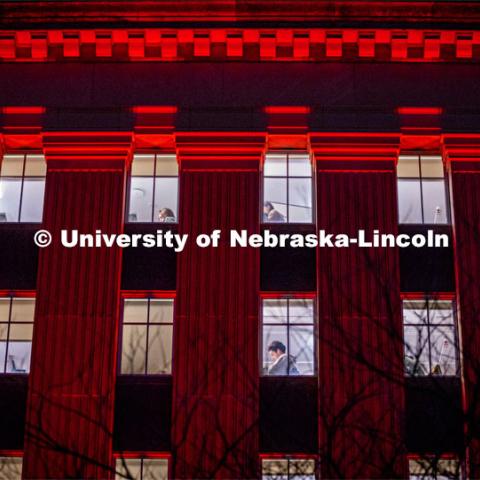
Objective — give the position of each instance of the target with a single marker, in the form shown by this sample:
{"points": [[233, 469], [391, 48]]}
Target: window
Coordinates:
{"points": [[422, 192], [16, 328], [288, 469], [434, 469], [153, 189], [288, 336], [287, 188], [10, 467], [142, 468], [430, 338], [147, 336], [22, 187]]}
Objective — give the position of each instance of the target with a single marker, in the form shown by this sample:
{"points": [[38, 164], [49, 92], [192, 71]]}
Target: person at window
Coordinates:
{"points": [[283, 364], [414, 367], [270, 214], [166, 215]]}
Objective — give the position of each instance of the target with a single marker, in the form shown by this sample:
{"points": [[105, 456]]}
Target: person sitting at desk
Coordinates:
{"points": [[270, 214], [283, 364], [166, 215]]}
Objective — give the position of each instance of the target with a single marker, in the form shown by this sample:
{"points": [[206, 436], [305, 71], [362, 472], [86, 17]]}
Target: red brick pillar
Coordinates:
{"points": [[71, 387]]}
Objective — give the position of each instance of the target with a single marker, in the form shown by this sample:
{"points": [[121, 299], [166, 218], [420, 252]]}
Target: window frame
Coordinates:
{"points": [[11, 296], [290, 457], [5, 454], [287, 178], [431, 456], [156, 153], [144, 455], [420, 179], [150, 295], [289, 296], [25, 154], [427, 298]]}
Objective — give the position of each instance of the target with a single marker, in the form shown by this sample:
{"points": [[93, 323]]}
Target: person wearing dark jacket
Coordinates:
{"points": [[283, 364]]}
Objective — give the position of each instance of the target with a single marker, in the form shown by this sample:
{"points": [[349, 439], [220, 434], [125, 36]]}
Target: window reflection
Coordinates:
{"points": [[147, 336], [422, 196], [430, 338], [288, 336], [153, 194], [287, 189], [22, 188], [288, 469], [434, 468], [10, 468], [141, 468]]}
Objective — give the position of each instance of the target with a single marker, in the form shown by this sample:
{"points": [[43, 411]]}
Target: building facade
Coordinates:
{"points": [[168, 120]]}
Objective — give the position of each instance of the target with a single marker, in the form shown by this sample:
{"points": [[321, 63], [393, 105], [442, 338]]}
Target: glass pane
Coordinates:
{"points": [[432, 166], [302, 468], [275, 310], [166, 199], [3, 351], [135, 310], [19, 352], [142, 165], [275, 200], [161, 310], [10, 468], [275, 469], [444, 355], [23, 309], [301, 310], [160, 349], [441, 312], [21, 332], [12, 166], [275, 165], [409, 201], [299, 166], [434, 469], [408, 166], [35, 166], [3, 332], [128, 468], [272, 363], [434, 201], [414, 312], [141, 198], [32, 199], [301, 351], [155, 469], [300, 200], [9, 199], [134, 353], [166, 165], [416, 351], [4, 309]]}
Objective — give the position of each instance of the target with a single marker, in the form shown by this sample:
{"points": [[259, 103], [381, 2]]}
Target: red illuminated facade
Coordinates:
{"points": [[208, 108]]}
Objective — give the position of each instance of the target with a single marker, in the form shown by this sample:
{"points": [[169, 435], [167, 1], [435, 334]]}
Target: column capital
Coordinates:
{"points": [[462, 152], [220, 150], [355, 151], [87, 151]]}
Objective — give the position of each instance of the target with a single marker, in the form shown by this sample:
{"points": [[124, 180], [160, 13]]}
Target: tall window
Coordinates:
{"points": [[142, 468], [16, 328], [287, 188], [430, 338], [434, 468], [288, 468], [288, 336], [10, 467], [422, 192], [22, 188], [153, 193], [147, 336]]}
